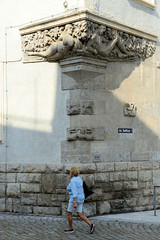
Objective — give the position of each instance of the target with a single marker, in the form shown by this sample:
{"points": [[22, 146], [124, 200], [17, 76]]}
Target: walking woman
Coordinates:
{"points": [[76, 200]]}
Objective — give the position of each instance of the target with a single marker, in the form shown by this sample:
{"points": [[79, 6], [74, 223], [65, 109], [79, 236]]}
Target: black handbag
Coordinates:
{"points": [[87, 191]]}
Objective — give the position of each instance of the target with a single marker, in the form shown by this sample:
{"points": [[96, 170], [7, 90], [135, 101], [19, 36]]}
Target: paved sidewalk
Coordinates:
{"points": [[134, 226]]}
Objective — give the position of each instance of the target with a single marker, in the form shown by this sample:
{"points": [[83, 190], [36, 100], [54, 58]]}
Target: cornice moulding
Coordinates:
{"points": [[75, 16]]}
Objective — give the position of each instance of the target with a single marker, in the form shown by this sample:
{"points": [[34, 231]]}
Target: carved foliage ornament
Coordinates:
{"points": [[85, 38]]}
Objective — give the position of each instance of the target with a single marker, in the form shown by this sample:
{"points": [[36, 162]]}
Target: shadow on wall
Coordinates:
{"points": [[123, 82]]}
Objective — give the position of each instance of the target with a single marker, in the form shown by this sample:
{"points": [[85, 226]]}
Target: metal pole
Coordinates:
{"points": [[154, 200]]}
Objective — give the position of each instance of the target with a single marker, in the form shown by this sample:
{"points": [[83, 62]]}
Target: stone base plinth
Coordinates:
{"points": [[41, 189]]}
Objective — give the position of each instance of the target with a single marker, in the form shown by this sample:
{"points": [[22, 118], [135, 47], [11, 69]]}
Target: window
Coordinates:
{"points": [[148, 3]]}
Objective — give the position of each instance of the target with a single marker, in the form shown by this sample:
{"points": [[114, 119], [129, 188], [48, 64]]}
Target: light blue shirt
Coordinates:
{"points": [[75, 188]]}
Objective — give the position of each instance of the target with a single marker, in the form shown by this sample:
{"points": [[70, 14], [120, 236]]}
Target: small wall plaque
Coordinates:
{"points": [[96, 157], [125, 130]]}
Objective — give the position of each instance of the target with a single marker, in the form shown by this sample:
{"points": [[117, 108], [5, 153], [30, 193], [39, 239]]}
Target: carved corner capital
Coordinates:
{"points": [[84, 34]]}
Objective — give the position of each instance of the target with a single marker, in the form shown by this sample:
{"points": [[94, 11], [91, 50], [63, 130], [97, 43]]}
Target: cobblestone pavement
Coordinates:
{"points": [[18, 227]]}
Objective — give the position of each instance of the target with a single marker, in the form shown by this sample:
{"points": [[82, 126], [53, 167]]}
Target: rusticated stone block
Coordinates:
{"points": [[61, 181], [123, 176], [131, 185], [22, 209], [87, 168], [117, 186], [54, 168], [2, 204], [147, 166], [44, 199], [2, 189], [2, 167], [89, 179], [47, 210], [48, 183], [83, 168], [105, 167], [33, 168], [131, 202], [145, 176], [123, 166], [61, 197], [97, 195], [29, 177], [89, 209], [106, 187], [64, 208], [103, 207], [13, 167], [13, 190], [9, 207], [30, 188], [134, 166], [156, 177], [60, 191], [144, 185], [11, 177], [2, 178], [143, 201], [148, 192], [101, 177], [117, 204], [29, 199]]}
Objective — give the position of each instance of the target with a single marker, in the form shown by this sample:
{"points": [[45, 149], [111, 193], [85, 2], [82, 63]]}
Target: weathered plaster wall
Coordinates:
{"points": [[129, 12], [34, 114]]}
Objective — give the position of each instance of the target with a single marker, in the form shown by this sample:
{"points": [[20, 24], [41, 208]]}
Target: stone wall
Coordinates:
{"points": [[41, 189]]}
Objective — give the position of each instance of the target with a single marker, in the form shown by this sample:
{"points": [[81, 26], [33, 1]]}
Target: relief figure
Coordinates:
{"points": [[61, 47], [99, 45]]}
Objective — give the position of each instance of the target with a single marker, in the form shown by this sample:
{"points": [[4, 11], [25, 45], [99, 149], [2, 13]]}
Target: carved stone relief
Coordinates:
{"points": [[85, 133], [76, 108], [80, 134], [129, 110], [85, 38]]}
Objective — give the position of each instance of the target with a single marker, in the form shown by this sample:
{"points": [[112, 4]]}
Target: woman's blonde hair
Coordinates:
{"points": [[74, 171]]}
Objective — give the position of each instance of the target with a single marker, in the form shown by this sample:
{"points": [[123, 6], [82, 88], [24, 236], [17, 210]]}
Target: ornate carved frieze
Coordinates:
{"points": [[84, 38]]}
